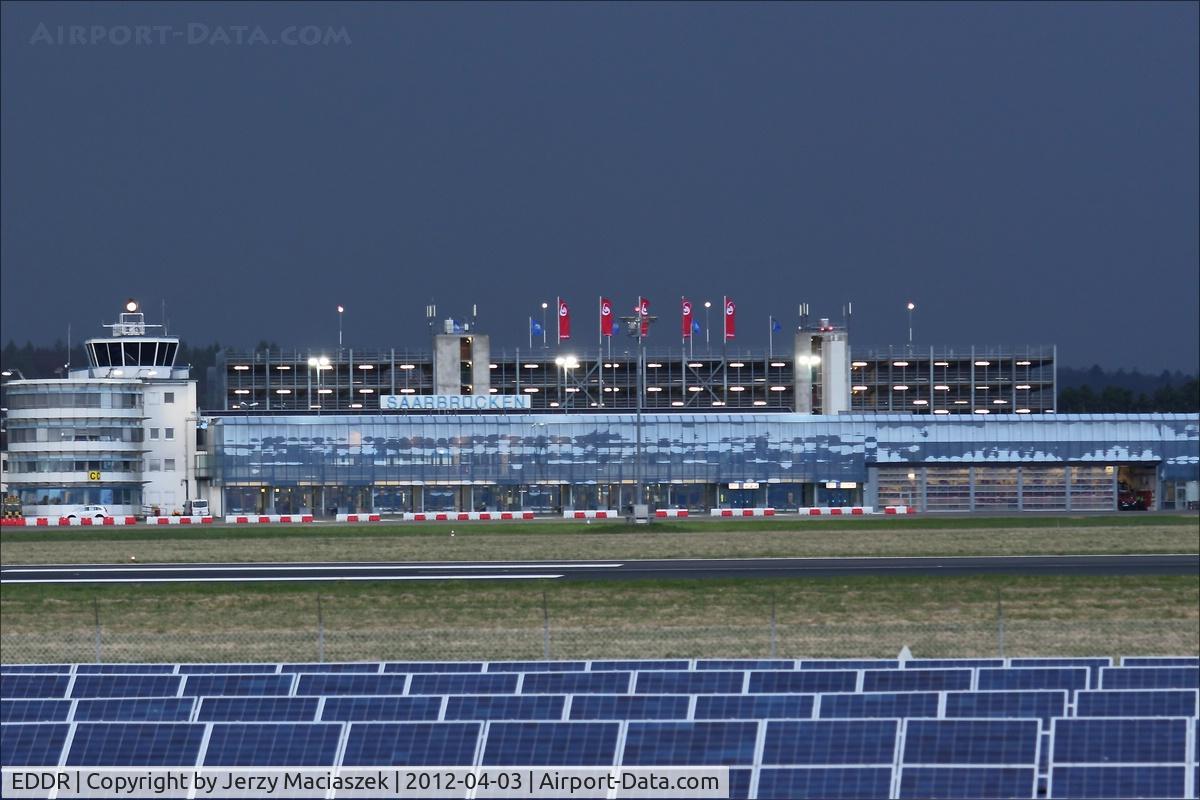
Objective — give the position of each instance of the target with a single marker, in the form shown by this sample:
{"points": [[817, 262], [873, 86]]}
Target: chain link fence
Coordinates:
{"points": [[314, 634]]}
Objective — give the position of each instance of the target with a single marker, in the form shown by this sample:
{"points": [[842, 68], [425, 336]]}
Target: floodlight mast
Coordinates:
{"points": [[636, 326]]}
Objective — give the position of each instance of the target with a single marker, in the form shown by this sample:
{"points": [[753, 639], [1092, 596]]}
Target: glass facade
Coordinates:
{"points": [[395, 462]]}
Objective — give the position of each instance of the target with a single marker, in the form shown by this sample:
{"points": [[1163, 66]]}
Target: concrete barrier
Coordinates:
{"points": [[604, 513], [42, 522], [264, 519], [358, 518], [664, 513], [189, 520], [899, 510], [837, 511], [465, 516], [742, 512]]}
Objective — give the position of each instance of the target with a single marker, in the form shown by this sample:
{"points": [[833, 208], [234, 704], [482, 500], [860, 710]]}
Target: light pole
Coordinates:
{"points": [[707, 306], [911, 306], [633, 326], [318, 364], [341, 309], [544, 307], [565, 363]]}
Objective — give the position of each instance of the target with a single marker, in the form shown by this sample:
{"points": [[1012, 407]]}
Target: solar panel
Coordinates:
{"points": [[27, 685], [412, 744], [744, 663], [135, 744], [217, 669], [118, 685], [1012, 705], [754, 706], [879, 705], [135, 709], [669, 682], [1160, 661], [1070, 678], [381, 709], [690, 743], [237, 685], [831, 742], [334, 683], [576, 744], [1150, 678], [358, 667], [529, 707], [916, 680], [41, 710], [433, 666], [31, 744], [39, 668], [124, 669], [576, 683], [258, 744], [1137, 703], [952, 663], [1119, 782], [1011, 742], [967, 782], [257, 709], [838, 663], [536, 666], [1119, 741], [835, 783], [631, 666], [461, 683], [1093, 664], [811, 682], [629, 706]]}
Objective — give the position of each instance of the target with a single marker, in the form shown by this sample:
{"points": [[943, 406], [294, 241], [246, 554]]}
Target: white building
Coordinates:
{"points": [[120, 432]]}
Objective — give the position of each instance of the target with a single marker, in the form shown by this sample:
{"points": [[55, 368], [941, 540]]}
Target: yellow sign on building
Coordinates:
{"points": [[94, 475]]}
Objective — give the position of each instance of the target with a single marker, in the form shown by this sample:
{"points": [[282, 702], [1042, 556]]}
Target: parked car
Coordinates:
{"points": [[89, 512]]}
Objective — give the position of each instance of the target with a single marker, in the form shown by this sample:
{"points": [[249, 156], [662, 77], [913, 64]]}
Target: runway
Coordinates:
{"points": [[689, 568]]}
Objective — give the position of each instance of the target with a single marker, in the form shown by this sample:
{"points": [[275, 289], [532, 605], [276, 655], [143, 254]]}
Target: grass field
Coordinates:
{"points": [[575, 540]]}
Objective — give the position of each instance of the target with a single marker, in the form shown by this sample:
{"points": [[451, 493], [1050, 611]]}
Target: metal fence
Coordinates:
{"points": [[316, 635]]}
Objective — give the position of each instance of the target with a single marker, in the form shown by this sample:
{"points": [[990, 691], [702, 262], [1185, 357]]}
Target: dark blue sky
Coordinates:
{"points": [[1025, 173]]}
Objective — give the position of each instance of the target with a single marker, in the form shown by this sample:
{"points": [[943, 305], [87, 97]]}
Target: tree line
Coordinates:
{"points": [[1080, 391]]}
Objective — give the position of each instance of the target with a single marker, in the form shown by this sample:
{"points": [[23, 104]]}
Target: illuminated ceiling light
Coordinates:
{"points": [[241, 367], [960, 402], [1022, 410], [778, 364], [654, 365], [283, 391], [615, 389], [859, 388], [554, 404], [899, 363], [366, 366], [241, 391], [982, 411], [402, 391], [920, 402], [737, 388], [900, 387], [571, 390], [366, 391], [408, 366], [760, 402], [314, 405], [982, 388], [531, 366], [941, 411], [737, 364], [493, 390], [330, 391], [283, 366], [1024, 363], [778, 388], [531, 390], [677, 402], [695, 364], [356, 405], [695, 389], [493, 366], [1023, 386], [941, 363], [653, 388], [858, 363], [941, 387], [999, 402], [718, 402], [983, 363]]}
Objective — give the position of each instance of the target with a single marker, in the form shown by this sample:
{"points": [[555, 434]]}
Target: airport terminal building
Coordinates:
{"points": [[459, 428]]}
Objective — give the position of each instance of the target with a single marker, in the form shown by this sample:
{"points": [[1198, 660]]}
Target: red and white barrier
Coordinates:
{"points": [[664, 513], [465, 516], [263, 519], [837, 511], [358, 518], [604, 513], [899, 509], [189, 520], [742, 512]]}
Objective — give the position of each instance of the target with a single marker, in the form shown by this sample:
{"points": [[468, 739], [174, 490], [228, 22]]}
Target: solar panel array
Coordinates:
{"points": [[822, 728]]}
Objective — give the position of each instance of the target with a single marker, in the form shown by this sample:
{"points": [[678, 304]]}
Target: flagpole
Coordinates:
{"points": [[558, 317], [600, 353], [770, 336], [530, 332]]}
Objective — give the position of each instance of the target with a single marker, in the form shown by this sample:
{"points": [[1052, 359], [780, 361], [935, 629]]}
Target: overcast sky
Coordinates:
{"points": [[1024, 173]]}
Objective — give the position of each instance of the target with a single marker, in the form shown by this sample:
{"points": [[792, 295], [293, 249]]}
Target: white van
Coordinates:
{"points": [[196, 508]]}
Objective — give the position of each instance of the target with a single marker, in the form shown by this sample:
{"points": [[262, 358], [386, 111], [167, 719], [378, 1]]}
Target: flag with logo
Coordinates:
{"points": [[564, 320], [730, 311], [686, 311], [606, 317], [643, 311]]}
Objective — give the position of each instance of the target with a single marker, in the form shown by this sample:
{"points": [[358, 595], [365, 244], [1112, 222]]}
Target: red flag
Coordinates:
{"points": [[730, 308], [564, 320], [687, 318], [606, 317], [643, 310]]}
